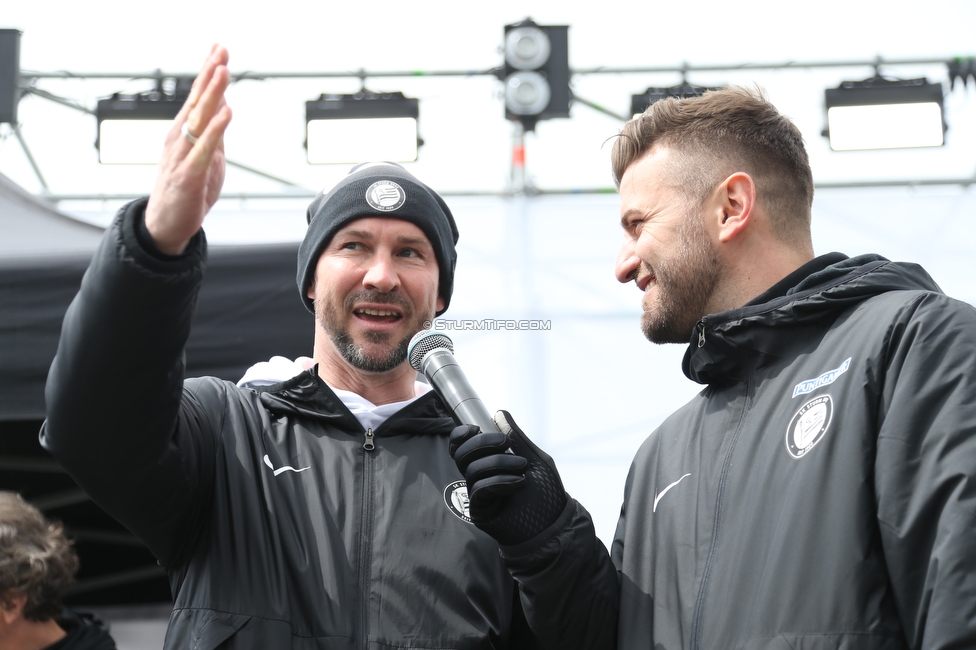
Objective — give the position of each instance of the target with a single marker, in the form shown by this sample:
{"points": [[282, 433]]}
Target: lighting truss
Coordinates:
{"points": [[959, 68]]}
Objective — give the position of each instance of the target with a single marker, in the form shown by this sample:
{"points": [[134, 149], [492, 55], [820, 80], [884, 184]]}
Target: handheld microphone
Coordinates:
{"points": [[431, 353]]}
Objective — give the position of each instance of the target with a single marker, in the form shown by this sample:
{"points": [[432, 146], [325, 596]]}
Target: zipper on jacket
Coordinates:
{"points": [[699, 615], [701, 333], [366, 539]]}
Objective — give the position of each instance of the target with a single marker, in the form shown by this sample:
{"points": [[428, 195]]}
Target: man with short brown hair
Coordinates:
{"points": [[820, 491], [722, 132]]}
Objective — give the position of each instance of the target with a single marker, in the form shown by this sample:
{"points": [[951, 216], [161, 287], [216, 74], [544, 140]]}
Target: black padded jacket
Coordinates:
{"points": [[820, 492], [280, 521]]}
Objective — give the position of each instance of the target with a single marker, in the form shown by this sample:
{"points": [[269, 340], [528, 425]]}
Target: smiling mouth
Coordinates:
{"points": [[378, 315], [645, 280]]}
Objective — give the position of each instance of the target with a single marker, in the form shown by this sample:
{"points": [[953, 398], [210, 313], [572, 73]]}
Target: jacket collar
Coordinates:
{"points": [[307, 395], [727, 347]]}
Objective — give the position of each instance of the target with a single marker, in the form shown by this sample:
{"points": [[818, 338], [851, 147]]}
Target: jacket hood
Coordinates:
{"points": [[726, 346], [307, 395]]}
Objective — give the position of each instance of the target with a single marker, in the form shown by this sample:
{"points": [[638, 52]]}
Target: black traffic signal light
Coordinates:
{"points": [[536, 72]]}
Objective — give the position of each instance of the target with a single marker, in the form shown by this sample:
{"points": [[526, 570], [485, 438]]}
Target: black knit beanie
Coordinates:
{"points": [[379, 190]]}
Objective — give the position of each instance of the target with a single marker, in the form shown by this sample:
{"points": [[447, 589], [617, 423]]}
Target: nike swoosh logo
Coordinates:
{"points": [[286, 468], [662, 493]]}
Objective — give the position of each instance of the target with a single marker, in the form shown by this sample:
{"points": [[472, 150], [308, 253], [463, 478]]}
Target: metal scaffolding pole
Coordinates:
{"points": [[28, 75]]}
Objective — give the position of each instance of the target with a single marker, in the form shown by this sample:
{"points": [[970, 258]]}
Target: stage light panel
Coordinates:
{"points": [[361, 140], [9, 74], [134, 142], [132, 128], [639, 103], [885, 114], [362, 127]]}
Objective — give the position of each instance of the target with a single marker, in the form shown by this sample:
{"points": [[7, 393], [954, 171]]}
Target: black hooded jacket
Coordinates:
{"points": [[820, 492], [85, 631]]}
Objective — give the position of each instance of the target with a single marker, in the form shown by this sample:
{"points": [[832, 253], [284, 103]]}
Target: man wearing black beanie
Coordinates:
{"points": [[374, 190], [368, 329], [320, 511]]}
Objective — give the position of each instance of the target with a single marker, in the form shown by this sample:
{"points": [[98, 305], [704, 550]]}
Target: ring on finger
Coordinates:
{"points": [[185, 130]]}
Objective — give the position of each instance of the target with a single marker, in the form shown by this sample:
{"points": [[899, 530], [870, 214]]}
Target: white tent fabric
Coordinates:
{"points": [[31, 226]]}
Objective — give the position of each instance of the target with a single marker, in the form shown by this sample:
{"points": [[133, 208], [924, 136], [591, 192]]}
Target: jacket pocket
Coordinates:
{"points": [[215, 628]]}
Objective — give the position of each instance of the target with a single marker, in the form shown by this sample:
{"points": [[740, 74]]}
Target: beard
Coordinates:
{"points": [[685, 284], [357, 355]]}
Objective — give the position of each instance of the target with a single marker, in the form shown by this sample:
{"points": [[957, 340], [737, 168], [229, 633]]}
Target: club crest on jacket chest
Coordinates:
{"points": [[809, 425], [456, 498]]}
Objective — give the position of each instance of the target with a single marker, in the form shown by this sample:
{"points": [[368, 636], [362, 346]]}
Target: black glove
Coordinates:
{"points": [[512, 496]]}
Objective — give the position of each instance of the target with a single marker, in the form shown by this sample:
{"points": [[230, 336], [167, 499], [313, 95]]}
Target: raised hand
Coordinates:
{"points": [[191, 171]]}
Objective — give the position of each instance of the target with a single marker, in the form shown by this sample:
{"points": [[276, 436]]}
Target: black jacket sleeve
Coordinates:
{"points": [[115, 389], [926, 471], [568, 584]]}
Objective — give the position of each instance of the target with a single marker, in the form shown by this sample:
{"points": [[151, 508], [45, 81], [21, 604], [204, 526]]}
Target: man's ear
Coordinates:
{"points": [[311, 289], [737, 200], [439, 305]]}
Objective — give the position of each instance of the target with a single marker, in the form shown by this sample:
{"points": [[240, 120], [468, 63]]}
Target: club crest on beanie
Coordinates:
{"points": [[380, 189]]}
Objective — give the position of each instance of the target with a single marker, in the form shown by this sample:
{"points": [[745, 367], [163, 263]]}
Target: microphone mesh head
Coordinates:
{"points": [[423, 342]]}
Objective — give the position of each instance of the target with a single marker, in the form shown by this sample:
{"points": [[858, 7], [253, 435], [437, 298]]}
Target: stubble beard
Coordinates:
{"points": [[685, 284], [355, 355]]}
